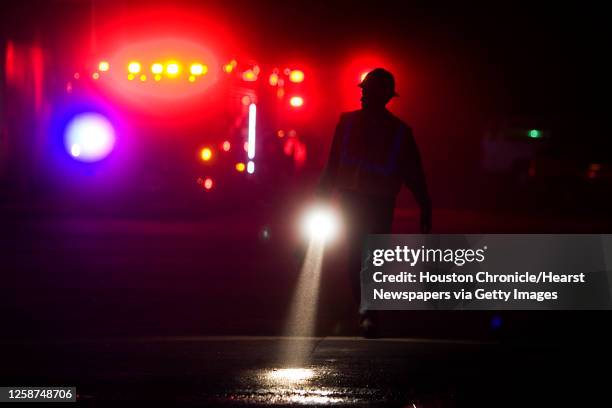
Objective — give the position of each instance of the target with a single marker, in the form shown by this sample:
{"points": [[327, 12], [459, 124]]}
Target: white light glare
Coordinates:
{"points": [[252, 130], [321, 224], [89, 137], [290, 375]]}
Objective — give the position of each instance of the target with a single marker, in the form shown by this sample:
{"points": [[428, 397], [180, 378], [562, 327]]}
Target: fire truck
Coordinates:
{"points": [[162, 106], [161, 122]]}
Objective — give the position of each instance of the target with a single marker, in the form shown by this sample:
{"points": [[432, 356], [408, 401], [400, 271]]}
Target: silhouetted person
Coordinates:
{"points": [[373, 154]]}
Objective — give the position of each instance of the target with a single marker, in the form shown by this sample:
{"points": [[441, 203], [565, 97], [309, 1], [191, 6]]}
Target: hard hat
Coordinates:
{"points": [[380, 78]]}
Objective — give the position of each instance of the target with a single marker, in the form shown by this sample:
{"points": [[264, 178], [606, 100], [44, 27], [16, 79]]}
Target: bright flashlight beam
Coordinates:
{"points": [[252, 129], [289, 376], [302, 315], [321, 224]]}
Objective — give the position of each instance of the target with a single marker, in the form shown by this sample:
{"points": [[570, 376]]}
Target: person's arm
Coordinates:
{"points": [[328, 178], [414, 178]]}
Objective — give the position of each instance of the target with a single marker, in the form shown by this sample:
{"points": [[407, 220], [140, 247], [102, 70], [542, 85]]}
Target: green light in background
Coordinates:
{"points": [[535, 134]]}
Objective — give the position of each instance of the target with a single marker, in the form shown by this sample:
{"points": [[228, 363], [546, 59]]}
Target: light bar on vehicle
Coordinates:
{"points": [[252, 128]]}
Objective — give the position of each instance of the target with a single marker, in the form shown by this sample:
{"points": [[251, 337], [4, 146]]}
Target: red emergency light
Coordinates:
{"points": [[296, 76], [296, 101]]}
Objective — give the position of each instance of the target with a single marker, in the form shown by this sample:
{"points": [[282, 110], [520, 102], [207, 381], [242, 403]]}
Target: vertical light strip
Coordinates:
{"points": [[250, 167], [252, 124]]}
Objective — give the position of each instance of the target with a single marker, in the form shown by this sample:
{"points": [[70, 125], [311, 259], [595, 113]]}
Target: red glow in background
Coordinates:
{"points": [[162, 34]]}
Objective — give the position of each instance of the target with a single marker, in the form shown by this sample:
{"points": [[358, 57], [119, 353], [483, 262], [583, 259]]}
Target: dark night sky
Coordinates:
{"points": [[545, 57]]}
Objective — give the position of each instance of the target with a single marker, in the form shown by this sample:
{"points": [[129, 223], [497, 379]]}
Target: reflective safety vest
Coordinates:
{"points": [[360, 171]]}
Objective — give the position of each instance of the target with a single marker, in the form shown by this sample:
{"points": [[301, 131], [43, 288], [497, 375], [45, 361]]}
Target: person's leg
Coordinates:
{"points": [[382, 220], [353, 216], [363, 215], [355, 264], [379, 221]]}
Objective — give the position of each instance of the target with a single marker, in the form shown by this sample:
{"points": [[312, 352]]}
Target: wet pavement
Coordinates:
{"points": [[245, 371], [97, 303]]}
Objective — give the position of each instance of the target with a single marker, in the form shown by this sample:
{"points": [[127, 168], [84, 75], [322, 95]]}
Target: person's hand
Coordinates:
{"points": [[322, 194], [425, 221], [299, 253], [323, 197]]}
